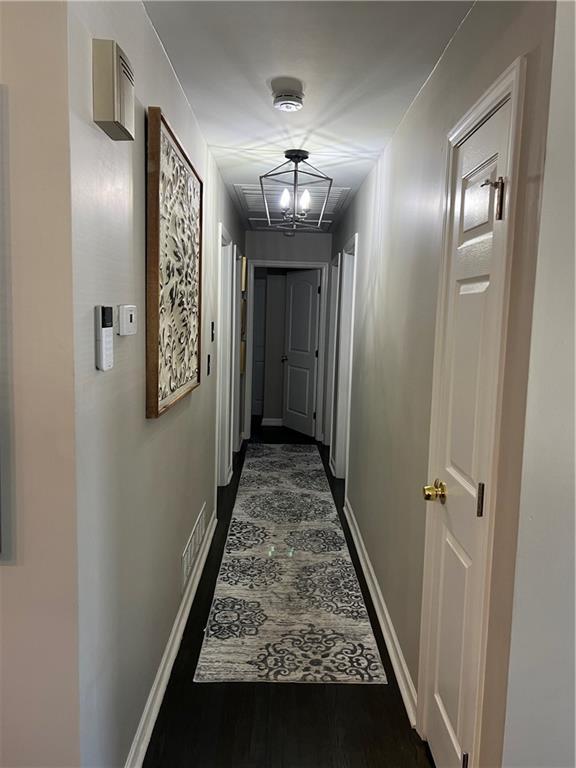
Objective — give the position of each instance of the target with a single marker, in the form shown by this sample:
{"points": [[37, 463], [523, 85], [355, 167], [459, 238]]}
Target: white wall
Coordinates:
{"points": [[276, 246], [141, 483], [38, 573], [398, 214], [540, 706]]}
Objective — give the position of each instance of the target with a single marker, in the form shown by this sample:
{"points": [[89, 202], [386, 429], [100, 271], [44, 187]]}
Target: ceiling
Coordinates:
{"points": [[361, 65]]}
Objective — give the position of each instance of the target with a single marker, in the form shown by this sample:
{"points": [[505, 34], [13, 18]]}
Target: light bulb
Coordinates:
{"points": [[305, 201], [285, 200]]}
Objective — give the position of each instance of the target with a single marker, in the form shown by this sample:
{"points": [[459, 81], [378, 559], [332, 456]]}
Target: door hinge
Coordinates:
{"points": [[480, 500], [319, 289], [314, 415], [464, 759], [316, 353]]}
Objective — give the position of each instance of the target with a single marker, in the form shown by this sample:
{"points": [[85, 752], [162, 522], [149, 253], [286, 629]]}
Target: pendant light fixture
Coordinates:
{"points": [[295, 194]]}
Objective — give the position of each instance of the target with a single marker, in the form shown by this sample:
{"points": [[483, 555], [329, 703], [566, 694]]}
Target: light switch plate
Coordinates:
{"points": [[127, 320]]}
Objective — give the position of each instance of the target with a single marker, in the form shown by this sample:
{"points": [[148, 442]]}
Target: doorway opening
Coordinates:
{"points": [[286, 346]]}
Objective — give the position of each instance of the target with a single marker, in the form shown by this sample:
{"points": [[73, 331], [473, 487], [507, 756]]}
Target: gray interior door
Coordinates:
{"points": [[300, 364]]}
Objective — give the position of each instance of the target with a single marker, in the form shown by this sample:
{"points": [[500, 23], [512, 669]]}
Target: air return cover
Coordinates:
{"points": [[113, 90]]}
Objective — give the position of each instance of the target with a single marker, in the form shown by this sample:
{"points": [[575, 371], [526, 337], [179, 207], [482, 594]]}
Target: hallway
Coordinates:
{"points": [[287, 384], [278, 725]]}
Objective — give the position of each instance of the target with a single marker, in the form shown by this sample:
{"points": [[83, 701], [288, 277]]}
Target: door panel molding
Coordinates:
{"points": [[507, 90]]}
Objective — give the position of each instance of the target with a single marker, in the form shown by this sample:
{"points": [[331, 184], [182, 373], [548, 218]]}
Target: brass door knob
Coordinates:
{"points": [[436, 492]]}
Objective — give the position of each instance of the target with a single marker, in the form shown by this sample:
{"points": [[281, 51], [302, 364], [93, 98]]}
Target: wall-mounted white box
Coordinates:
{"points": [[112, 90], [127, 320]]}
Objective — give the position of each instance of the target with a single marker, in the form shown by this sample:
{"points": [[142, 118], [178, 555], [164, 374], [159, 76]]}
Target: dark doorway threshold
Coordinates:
{"points": [[278, 725]]}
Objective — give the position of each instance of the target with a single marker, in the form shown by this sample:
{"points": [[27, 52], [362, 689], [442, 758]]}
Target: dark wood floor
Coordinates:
{"points": [[277, 725]]}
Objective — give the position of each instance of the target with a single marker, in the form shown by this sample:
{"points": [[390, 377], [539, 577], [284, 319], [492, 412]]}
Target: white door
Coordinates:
{"points": [[469, 350], [331, 356], [301, 350]]}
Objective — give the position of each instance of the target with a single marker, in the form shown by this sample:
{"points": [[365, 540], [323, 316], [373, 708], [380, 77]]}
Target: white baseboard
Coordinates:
{"points": [[146, 725], [407, 687], [270, 422], [332, 465]]}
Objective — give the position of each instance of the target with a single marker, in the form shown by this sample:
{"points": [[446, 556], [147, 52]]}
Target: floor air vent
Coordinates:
{"points": [[193, 545]]}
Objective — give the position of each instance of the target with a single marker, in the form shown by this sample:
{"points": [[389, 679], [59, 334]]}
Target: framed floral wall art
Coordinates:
{"points": [[173, 269]]}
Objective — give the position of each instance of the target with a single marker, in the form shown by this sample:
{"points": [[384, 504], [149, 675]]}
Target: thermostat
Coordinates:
{"points": [[104, 322]]}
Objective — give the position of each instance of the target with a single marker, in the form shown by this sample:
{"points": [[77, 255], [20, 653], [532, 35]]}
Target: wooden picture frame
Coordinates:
{"points": [[174, 198]]}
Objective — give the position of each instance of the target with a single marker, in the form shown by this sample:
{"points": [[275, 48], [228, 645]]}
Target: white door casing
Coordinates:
{"points": [[343, 362], [467, 388], [331, 353], [225, 358], [301, 350], [236, 336]]}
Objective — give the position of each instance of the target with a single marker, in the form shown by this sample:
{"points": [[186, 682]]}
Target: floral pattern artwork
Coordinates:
{"points": [[179, 275], [316, 540], [287, 606], [173, 268], [232, 617], [317, 655]]}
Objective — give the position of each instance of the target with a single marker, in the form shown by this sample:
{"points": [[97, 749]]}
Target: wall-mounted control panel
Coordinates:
{"points": [[104, 326], [127, 325], [112, 90]]}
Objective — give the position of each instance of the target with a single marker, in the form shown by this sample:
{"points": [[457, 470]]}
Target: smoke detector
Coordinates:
{"points": [[288, 101]]}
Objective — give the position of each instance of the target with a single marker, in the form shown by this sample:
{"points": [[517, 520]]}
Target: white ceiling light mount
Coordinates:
{"points": [[289, 101], [295, 194]]}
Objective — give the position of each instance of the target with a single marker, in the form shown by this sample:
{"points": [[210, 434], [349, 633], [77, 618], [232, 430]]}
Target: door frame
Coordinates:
{"points": [[334, 273], [237, 341], [286, 264], [346, 300], [225, 358], [495, 633]]}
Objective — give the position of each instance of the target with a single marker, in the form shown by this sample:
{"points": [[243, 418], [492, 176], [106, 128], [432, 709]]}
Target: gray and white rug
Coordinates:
{"points": [[287, 605]]}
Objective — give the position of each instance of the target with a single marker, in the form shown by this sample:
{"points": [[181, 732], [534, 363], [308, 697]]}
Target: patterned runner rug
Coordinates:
{"points": [[287, 605]]}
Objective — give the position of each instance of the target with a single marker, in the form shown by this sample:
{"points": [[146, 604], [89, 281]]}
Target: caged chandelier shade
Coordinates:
{"points": [[292, 190]]}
